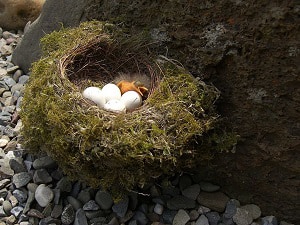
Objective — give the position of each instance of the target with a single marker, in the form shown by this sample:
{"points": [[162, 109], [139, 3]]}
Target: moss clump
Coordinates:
{"points": [[170, 132]]}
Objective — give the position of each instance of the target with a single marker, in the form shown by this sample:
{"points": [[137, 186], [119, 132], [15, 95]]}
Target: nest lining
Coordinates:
{"points": [[165, 135]]}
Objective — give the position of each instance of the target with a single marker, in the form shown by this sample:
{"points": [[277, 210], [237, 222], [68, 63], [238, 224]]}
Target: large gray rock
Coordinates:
{"points": [[54, 15]]}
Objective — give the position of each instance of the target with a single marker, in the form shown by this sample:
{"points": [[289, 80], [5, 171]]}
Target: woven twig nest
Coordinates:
{"points": [[165, 135]]}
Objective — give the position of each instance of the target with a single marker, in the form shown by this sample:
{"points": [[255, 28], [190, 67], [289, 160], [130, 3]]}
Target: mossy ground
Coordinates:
{"points": [[173, 130]]}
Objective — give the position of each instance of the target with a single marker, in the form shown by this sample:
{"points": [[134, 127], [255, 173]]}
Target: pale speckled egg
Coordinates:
{"points": [[94, 94], [111, 91], [115, 105], [131, 100]]}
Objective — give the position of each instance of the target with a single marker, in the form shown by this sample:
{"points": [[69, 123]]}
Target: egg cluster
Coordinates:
{"points": [[111, 98]]}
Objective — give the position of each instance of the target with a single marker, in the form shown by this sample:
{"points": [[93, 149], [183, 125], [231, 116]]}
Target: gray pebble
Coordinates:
{"points": [[94, 214], [30, 199], [181, 218], [180, 202], [215, 201], [16, 211], [7, 207], [23, 79], [231, 208], [104, 200], [49, 221], [91, 206], [170, 190], [17, 75], [41, 176], [4, 183], [194, 214], [64, 184], [57, 211], [35, 213], [20, 195], [68, 215], [202, 220], [25, 223], [192, 191], [80, 218], [43, 195], [242, 217], [17, 165], [253, 210], [269, 220], [158, 209], [2, 212], [21, 179], [168, 216], [209, 187], [76, 189], [121, 207], [45, 162], [113, 221], [9, 81], [84, 196], [213, 218], [74, 202]]}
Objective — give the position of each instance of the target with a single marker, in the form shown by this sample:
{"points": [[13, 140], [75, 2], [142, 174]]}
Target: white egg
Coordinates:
{"points": [[115, 105], [94, 94], [111, 91], [131, 100]]}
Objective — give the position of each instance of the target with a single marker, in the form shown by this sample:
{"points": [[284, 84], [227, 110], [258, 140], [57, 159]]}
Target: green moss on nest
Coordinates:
{"points": [[172, 131]]}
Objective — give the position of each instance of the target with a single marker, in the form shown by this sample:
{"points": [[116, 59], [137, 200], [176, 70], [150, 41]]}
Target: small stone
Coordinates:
{"points": [[9, 81], [17, 75], [74, 202], [41, 176], [104, 200], [185, 181], [140, 217], [202, 220], [192, 192], [25, 223], [7, 207], [3, 142], [269, 220], [17, 165], [231, 208], [253, 210], [127, 217], [76, 189], [91, 206], [215, 201], [20, 195], [242, 217], [30, 199], [43, 195], [4, 183], [35, 213], [209, 187], [13, 69], [213, 218], [3, 193], [49, 221], [180, 202], [94, 214], [47, 210], [121, 207], [158, 209], [21, 179], [2, 212], [57, 211], [113, 221], [153, 217], [10, 220], [23, 79], [44, 163], [13, 200], [181, 218], [194, 214], [64, 184], [84, 196], [168, 216], [68, 215], [16, 211], [80, 218]]}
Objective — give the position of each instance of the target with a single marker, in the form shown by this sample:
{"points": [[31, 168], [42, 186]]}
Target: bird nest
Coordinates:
{"points": [[168, 133]]}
